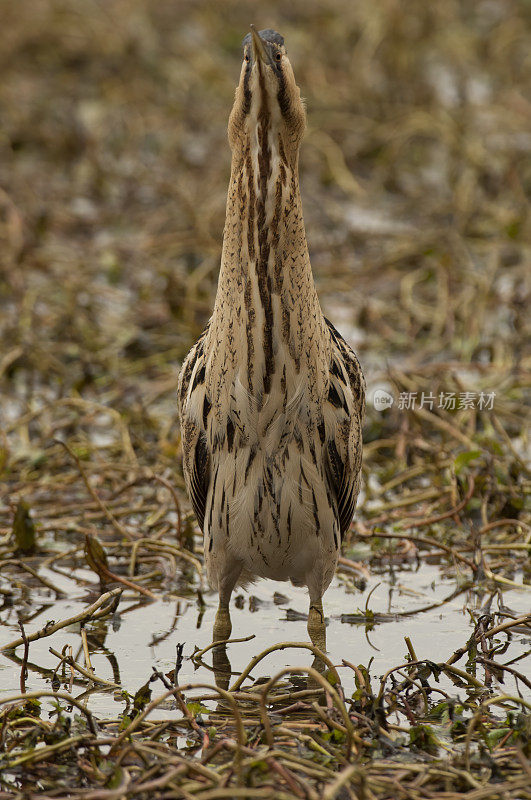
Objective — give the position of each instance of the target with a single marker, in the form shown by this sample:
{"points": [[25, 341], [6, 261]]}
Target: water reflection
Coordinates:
{"points": [[222, 666], [123, 648]]}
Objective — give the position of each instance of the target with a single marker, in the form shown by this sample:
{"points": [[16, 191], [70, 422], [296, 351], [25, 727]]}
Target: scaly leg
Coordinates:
{"points": [[222, 624], [316, 624]]}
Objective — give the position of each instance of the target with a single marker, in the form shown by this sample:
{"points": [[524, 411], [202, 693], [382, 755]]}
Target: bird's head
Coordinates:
{"points": [[267, 94]]}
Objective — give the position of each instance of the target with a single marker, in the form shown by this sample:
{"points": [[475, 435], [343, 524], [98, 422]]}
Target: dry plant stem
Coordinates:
{"points": [[163, 546], [423, 540], [298, 761], [503, 433], [283, 646], [410, 680], [14, 698], [112, 576], [437, 422], [410, 648], [524, 762], [496, 548], [110, 516], [489, 663], [240, 730], [184, 708], [276, 699], [506, 581], [344, 777], [502, 698], [287, 776], [438, 517], [126, 440], [504, 626], [411, 472], [48, 630], [444, 667], [354, 565], [24, 665], [163, 781], [43, 753], [12, 355], [412, 499], [86, 653], [171, 489], [118, 793], [316, 676], [16, 562], [87, 673], [357, 672], [200, 653], [502, 523], [331, 724]]}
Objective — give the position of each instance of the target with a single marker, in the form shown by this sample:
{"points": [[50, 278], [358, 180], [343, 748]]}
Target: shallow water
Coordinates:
{"points": [[143, 635]]}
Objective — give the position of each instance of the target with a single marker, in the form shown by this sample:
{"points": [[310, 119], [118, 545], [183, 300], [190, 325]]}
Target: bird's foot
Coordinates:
{"points": [[222, 625]]}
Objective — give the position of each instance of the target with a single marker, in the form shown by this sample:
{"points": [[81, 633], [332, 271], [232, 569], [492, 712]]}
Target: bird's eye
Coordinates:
{"points": [[278, 56], [246, 57]]}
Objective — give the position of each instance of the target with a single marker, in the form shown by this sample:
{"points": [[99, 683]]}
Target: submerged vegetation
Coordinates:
{"points": [[415, 175]]}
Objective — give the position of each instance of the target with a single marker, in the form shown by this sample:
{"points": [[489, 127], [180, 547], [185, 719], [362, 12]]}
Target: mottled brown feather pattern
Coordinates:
{"points": [[271, 397]]}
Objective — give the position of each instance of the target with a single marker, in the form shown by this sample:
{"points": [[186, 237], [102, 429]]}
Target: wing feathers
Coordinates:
{"points": [[200, 479], [194, 408], [346, 394]]}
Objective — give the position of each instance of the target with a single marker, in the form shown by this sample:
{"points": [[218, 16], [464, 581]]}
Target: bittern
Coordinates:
{"points": [[271, 397]]}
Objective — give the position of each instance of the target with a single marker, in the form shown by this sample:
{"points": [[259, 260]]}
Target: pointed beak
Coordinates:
{"points": [[259, 51]]}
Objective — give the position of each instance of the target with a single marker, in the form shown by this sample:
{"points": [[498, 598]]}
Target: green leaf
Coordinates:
{"points": [[463, 459], [124, 722], [31, 708], [440, 712], [337, 736], [494, 736], [116, 779], [195, 708], [142, 698], [331, 677], [423, 737]]}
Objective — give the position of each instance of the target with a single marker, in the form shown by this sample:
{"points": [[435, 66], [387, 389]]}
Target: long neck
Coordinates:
{"points": [[264, 229], [266, 302]]}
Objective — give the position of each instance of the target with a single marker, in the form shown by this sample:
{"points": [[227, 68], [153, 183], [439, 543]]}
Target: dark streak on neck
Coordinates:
{"points": [[250, 311], [262, 263]]}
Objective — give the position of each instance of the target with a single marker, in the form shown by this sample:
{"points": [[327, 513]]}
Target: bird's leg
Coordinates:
{"points": [[316, 623], [222, 624]]}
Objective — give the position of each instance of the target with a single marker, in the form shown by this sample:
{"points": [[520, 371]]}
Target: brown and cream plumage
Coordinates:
{"points": [[271, 398]]}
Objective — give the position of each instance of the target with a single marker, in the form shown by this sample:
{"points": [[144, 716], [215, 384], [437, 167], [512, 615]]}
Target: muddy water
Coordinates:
{"points": [[143, 635]]}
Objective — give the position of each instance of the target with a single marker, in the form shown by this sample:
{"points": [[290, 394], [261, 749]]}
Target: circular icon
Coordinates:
{"points": [[382, 400]]}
